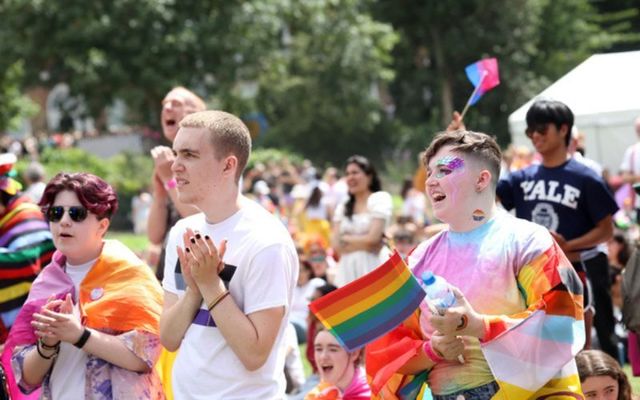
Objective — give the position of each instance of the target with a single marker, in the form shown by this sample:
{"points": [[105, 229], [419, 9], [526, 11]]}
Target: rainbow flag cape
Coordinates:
{"points": [[553, 329], [370, 306], [483, 73]]}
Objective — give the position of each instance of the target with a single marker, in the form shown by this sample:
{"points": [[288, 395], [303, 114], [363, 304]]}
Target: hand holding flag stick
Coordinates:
{"points": [[484, 76]]}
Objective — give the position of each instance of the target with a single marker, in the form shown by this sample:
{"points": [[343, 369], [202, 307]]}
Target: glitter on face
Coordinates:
{"points": [[450, 163]]}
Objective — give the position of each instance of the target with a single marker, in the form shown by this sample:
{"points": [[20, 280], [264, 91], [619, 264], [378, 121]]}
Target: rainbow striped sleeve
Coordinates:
{"points": [[552, 327], [370, 306], [26, 247]]}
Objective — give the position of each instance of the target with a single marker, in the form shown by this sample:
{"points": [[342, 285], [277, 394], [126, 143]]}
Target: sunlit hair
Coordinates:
{"points": [[96, 195], [475, 145], [229, 135], [374, 186], [193, 102], [598, 363]]}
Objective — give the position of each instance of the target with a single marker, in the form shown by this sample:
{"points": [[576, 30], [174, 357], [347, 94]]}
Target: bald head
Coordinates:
{"points": [[178, 103]]}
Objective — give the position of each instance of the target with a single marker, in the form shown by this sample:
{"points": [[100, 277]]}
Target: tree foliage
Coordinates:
{"points": [[311, 66], [322, 88], [535, 41], [14, 106], [332, 77]]}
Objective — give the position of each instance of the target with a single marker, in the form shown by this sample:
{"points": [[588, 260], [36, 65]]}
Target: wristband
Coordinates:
{"points": [[430, 352], [83, 339], [171, 184], [217, 300]]}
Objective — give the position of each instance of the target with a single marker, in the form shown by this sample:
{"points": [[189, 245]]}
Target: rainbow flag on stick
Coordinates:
{"points": [[370, 306]]}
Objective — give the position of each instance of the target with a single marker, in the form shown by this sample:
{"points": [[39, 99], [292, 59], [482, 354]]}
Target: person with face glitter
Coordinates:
{"points": [[514, 290], [89, 328], [360, 222], [341, 376]]}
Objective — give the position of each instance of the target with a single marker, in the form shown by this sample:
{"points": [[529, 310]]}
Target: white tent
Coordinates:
{"points": [[604, 94]]}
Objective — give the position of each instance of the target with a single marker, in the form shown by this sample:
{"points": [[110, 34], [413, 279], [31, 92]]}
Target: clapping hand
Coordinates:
{"points": [[201, 260], [56, 322]]}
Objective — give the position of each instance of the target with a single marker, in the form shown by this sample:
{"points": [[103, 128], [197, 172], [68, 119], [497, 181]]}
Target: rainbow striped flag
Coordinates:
{"points": [[370, 306]]}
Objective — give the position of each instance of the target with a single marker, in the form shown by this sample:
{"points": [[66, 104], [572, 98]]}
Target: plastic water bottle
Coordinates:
{"points": [[439, 294]]}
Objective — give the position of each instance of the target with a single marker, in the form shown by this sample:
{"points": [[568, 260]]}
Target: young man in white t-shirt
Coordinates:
{"points": [[230, 272]]}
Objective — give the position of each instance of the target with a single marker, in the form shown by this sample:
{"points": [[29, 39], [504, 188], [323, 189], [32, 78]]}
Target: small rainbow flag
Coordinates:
{"points": [[370, 306]]}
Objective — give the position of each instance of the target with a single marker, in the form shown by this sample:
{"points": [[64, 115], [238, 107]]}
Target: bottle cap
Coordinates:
{"points": [[428, 278]]}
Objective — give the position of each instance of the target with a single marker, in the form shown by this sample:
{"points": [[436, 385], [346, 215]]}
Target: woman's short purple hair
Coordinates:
{"points": [[96, 195]]}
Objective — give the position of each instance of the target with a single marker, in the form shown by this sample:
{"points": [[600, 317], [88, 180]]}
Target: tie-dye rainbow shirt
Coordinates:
{"points": [[504, 268]]}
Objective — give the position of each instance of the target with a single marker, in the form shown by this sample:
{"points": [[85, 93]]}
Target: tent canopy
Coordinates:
{"points": [[604, 94]]}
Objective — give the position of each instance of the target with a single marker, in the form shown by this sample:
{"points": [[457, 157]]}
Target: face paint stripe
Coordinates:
{"points": [[450, 162]]}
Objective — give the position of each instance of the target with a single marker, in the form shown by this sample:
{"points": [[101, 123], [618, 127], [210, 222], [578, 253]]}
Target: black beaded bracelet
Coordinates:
{"points": [[47, 347], [83, 339], [55, 353]]}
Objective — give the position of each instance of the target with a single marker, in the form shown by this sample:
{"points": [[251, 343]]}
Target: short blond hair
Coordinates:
{"points": [[229, 135]]}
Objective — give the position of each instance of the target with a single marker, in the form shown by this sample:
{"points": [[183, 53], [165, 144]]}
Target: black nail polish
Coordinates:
{"points": [[188, 250], [207, 237], [198, 236], [193, 240]]}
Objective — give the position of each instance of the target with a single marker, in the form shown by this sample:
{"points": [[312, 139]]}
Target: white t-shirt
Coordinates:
{"points": [[69, 371], [266, 271]]}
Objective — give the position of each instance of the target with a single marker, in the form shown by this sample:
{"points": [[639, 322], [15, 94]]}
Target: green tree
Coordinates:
{"points": [[322, 89], [311, 66], [535, 41], [14, 106]]}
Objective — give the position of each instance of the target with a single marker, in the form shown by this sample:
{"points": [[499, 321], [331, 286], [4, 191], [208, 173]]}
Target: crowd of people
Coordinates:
{"points": [[530, 243]]}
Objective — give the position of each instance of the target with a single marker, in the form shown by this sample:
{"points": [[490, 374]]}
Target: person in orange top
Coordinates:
{"points": [[90, 325]]}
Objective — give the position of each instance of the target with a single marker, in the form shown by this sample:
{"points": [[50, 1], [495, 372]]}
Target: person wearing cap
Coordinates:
{"points": [[25, 243]]}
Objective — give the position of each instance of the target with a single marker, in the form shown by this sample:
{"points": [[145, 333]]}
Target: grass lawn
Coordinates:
{"points": [[137, 243], [635, 380]]}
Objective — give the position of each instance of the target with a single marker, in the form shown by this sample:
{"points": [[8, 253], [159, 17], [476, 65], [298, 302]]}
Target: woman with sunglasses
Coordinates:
{"points": [[90, 326]]}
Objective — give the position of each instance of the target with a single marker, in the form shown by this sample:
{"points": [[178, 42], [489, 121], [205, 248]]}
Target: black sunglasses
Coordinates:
{"points": [[76, 213], [540, 128]]}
